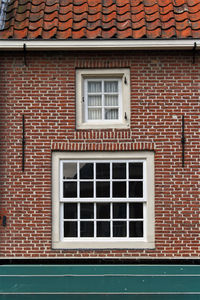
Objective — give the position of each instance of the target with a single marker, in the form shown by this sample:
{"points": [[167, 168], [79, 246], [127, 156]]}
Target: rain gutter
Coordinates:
{"points": [[90, 45]]}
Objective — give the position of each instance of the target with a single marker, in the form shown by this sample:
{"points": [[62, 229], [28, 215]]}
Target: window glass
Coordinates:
{"points": [[94, 86], [103, 210], [119, 210], [119, 170], [86, 171], [70, 189], [111, 86], [102, 189], [86, 189], [70, 211], [135, 170], [136, 189], [87, 210], [70, 171], [70, 229], [102, 170]]}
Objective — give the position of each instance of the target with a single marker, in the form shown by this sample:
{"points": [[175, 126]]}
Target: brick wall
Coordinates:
{"points": [[165, 86]]}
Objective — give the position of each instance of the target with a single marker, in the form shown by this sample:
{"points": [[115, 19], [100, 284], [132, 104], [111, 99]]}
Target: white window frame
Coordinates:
{"points": [[58, 242], [123, 76]]}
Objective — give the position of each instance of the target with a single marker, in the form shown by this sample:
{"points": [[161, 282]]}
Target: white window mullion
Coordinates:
{"points": [[95, 221], [61, 221], [127, 219], [111, 220], [78, 221], [120, 102], [94, 187], [85, 99], [103, 101]]}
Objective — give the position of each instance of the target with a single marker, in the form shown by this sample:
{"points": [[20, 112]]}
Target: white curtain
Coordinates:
{"points": [[111, 114], [96, 107]]}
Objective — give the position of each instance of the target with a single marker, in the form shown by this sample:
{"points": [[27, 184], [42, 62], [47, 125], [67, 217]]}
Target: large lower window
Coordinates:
{"points": [[103, 200]]}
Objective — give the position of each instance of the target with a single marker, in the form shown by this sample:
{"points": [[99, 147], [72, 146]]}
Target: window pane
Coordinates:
{"points": [[111, 100], [119, 210], [86, 189], [111, 114], [111, 86], [87, 210], [136, 189], [70, 211], [103, 229], [87, 229], [70, 229], [119, 189], [136, 210], [94, 114], [119, 170], [94, 100], [70, 189], [102, 189], [70, 171], [102, 171], [136, 170], [136, 229], [86, 171], [103, 210], [94, 86], [119, 229]]}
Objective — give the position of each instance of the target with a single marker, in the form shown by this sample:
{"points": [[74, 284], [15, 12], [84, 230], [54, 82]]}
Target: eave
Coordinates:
{"points": [[99, 44]]}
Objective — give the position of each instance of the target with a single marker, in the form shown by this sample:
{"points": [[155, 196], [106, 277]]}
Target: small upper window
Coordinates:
{"points": [[103, 98]]}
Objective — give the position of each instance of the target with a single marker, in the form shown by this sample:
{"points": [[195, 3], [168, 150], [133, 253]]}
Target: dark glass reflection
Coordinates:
{"points": [[70, 211], [136, 210], [102, 171], [119, 229], [70, 189], [119, 189], [70, 171], [119, 171], [103, 211], [136, 170], [87, 229], [119, 210], [103, 229], [136, 229], [86, 189], [86, 171], [87, 210], [70, 229], [136, 189], [102, 189]]}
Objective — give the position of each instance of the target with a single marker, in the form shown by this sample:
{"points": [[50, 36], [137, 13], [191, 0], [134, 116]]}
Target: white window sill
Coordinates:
{"points": [[103, 125], [103, 245]]}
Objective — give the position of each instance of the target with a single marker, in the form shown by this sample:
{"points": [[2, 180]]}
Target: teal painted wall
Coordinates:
{"points": [[108, 282]]}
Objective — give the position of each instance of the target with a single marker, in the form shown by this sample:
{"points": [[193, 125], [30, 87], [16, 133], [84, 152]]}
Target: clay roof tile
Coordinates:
{"points": [[107, 19]]}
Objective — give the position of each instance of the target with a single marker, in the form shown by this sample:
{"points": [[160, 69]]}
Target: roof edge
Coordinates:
{"points": [[77, 45]]}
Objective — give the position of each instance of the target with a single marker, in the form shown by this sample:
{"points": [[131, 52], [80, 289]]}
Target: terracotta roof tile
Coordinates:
{"points": [[138, 34], [169, 33], [107, 19], [34, 34], [20, 34], [65, 34], [65, 26], [141, 23], [137, 9], [196, 25], [33, 25]]}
